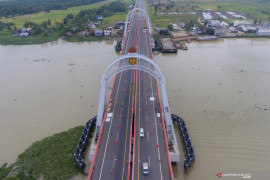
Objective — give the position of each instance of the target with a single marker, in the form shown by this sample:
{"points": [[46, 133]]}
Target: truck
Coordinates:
{"points": [[145, 168]]}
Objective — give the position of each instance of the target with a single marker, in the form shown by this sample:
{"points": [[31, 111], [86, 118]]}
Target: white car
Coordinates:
{"points": [[141, 133], [145, 168]]}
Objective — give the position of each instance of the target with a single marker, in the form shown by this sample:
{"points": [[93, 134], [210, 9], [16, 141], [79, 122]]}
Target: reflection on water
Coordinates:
{"points": [[219, 88], [46, 89]]}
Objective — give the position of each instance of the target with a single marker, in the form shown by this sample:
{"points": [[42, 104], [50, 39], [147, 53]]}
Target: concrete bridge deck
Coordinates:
{"points": [[134, 103]]}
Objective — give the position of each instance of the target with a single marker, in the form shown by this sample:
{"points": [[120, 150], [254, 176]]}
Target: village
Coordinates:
{"points": [[211, 25]]}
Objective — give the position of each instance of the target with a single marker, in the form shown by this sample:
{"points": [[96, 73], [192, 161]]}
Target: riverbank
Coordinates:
{"points": [[53, 87], [50, 158], [7, 39]]}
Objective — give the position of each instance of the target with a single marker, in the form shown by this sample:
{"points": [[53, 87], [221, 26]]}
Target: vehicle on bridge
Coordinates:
{"points": [[141, 133], [145, 168]]}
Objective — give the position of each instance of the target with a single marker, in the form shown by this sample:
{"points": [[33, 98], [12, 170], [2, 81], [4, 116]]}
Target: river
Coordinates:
{"points": [[219, 88]]}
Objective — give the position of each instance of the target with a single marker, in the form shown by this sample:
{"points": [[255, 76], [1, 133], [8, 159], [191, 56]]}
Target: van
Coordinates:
{"points": [[145, 168], [141, 133]]}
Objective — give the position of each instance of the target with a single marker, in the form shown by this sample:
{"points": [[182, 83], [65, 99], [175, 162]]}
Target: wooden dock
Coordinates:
{"points": [[183, 38], [181, 46], [167, 46], [206, 38]]}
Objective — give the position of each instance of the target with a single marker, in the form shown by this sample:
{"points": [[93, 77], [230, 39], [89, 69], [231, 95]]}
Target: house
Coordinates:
{"points": [[29, 29], [247, 29], [99, 18], [121, 32], [176, 27], [24, 34], [196, 30], [202, 19], [233, 29], [98, 33], [263, 32], [224, 24], [244, 29], [120, 25], [91, 25], [23, 30], [214, 23], [159, 29], [108, 31], [182, 24], [74, 28], [252, 29], [93, 30], [83, 33], [15, 34], [219, 32], [241, 22], [69, 34]]}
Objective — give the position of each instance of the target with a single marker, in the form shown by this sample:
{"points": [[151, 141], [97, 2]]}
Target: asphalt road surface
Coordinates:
{"points": [[134, 98]]}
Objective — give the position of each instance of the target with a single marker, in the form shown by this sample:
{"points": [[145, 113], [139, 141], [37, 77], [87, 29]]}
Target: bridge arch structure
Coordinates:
{"points": [[137, 11], [147, 65]]}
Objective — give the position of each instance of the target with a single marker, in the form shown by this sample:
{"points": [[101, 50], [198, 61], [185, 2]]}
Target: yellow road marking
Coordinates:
{"points": [[127, 128]]}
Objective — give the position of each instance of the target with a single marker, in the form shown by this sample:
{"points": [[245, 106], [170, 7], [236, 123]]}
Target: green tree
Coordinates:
{"points": [[170, 27], [210, 31], [164, 32]]}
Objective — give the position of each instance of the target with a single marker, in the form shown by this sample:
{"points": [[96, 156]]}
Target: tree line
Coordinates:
{"points": [[70, 21], [20, 7]]}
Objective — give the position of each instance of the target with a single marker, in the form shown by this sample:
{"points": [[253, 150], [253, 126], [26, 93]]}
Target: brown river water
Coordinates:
{"points": [[221, 89]]}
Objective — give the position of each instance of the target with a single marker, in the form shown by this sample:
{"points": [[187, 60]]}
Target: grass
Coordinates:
{"points": [[253, 10], [112, 20], [4, 170], [90, 38], [51, 158], [53, 15], [7, 39], [164, 20]]}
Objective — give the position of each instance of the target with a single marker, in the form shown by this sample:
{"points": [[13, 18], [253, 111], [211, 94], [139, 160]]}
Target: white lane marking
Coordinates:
{"points": [[155, 119], [109, 129], [113, 163], [149, 161]]}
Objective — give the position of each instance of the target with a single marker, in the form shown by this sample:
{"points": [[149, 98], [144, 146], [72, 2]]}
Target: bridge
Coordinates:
{"points": [[137, 99]]}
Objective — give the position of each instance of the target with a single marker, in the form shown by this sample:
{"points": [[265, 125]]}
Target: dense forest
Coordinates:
{"points": [[19, 7]]}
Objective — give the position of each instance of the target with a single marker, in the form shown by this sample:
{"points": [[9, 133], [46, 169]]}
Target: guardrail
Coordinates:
{"points": [[78, 155], [190, 158]]}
